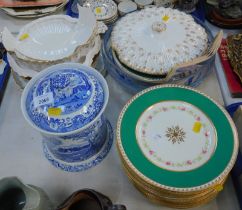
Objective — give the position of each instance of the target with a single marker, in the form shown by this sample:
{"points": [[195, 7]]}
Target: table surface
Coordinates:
{"points": [[21, 151]]}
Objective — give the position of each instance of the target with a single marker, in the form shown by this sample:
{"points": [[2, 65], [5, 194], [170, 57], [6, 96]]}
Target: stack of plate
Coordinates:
{"points": [[177, 145], [143, 3], [32, 9], [127, 6], [104, 10], [52, 40]]}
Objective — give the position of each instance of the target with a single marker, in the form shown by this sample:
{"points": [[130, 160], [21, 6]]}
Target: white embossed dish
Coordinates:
{"points": [[103, 9], [84, 55], [52, 38], [154, 40]]}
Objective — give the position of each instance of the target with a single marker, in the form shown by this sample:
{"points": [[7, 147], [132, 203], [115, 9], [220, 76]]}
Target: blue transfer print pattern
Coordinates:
{"points": [[89, 163], [79, 95], [80, 146]]}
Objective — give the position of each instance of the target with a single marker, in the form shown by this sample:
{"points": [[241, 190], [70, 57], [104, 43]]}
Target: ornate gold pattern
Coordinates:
{"points": [[149, 61], [175, 134], [235, 53]]}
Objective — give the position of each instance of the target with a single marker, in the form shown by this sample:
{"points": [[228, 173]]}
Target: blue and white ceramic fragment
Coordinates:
{"points": [[65, 103]]}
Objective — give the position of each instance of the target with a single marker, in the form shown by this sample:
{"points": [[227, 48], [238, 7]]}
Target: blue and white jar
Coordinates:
{"points": [[65, 103]]}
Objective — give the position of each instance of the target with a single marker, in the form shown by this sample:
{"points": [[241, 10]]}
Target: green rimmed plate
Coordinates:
{"points": [[177, 138]]}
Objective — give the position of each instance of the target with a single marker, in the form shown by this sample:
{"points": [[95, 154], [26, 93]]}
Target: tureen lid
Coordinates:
{"points": [[154, 40], [64, 98]]}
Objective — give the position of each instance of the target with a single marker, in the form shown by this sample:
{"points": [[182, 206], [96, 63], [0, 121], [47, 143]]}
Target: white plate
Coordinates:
{"points": [[154, 40], [103, 9], [176, 136], [52, 38], [127, 7]]}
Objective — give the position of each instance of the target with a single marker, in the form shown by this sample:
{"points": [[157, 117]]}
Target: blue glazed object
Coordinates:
{"points": [[65, 103], [79, 146], [6, 72], [232, 108], [200, 11], [134, 85], [78, 94], [72, 8], [84, 165]]}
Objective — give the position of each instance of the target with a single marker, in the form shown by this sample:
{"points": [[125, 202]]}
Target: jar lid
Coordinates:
{"points": [[64, 98]]}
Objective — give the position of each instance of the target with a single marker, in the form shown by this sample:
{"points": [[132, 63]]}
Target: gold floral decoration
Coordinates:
{"points": [[175, 134]]}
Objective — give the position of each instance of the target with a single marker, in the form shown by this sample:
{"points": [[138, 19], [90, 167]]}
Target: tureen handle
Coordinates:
{"points": [[86, 16], [170, 74], [90, 55], [85, 25], [8, 40]]}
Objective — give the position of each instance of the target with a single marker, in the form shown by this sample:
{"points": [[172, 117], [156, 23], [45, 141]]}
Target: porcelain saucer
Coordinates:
{"points": [[103, 9]]}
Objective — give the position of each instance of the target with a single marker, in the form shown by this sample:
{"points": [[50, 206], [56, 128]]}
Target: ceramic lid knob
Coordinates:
{"points": [[158, 26]]}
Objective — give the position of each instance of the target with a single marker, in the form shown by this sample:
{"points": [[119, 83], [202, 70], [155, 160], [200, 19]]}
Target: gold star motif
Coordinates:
{"points": [[175, 134]]}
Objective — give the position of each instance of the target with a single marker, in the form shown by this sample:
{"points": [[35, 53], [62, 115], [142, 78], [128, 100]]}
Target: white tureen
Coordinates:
{"points": [[154, 40]]}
